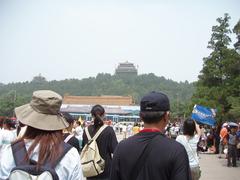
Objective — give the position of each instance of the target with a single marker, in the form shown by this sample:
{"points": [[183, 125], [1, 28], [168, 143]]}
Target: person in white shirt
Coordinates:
{"points": [[173, 132], [124, 130], [78, 132], [7, 134], [43, 138], [189, 139], [129, 129]]}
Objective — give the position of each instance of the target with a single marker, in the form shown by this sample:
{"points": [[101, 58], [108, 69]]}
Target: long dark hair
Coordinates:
{"points": [[189, 127], [49, 144], [97, 114]]}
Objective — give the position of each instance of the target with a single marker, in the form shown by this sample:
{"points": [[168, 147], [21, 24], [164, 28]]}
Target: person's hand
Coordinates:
{"points": [[197, 128], [196, 124]]}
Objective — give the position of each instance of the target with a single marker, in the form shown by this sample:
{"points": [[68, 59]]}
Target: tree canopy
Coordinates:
{"points": [[219, 80], [102, 84]]}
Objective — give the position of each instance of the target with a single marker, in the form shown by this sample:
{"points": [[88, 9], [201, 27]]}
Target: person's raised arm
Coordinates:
{"points": [[197, 129]]}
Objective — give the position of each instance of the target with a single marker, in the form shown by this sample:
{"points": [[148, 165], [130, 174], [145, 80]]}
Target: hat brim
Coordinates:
{"points": [[28, 116]]}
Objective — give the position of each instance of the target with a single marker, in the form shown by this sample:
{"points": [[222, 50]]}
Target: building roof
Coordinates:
{"points": [[103, 100], [86, 109], [126, 68]]}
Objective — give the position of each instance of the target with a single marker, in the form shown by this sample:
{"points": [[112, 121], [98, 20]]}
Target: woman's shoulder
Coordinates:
{"points": [[72, 153], [109, 129], [70, 165], [180, 137], [196, 137], [71, 156]]}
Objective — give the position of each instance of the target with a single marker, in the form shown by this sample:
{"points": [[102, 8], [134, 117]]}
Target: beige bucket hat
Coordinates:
{"points": [[43, 111]]}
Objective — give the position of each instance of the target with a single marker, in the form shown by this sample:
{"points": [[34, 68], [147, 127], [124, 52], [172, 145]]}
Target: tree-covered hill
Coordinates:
{"points": [[16, 94], [218, 84]]}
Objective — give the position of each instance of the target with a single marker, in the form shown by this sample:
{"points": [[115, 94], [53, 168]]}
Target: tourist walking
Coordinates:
{"points": [[232, 146], [68, 135], [78, 131], [190, 139], [149, 155], [43, 140], [106, 141], [7, 134], [223, 139]]}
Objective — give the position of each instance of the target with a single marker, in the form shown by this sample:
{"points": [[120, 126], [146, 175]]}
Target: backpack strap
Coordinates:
{"points": [[68, 138], [88, 135], [97, 133], [19, 153], [190, 148]]}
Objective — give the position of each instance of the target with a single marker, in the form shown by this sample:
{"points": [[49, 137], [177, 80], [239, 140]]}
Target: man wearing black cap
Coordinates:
{"points": [[149, 155]]}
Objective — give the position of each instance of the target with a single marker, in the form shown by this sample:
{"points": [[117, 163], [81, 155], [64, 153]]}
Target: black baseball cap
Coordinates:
{"points": [[155, 101]]}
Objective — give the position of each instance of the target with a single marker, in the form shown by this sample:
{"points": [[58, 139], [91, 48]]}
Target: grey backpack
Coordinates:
{"points": [[26, 169]]}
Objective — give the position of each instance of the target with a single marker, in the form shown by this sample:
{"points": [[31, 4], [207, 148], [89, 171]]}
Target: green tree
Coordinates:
{"points": [[105, 84], [10, 100], [236, 30], [7, 103], [218, 81]]}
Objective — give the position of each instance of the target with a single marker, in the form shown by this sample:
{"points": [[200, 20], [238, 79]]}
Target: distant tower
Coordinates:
{"points": [[126, 68]]}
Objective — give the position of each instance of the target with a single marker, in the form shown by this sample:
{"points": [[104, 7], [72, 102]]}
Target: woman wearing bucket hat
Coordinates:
{"points": [[43, 138]]}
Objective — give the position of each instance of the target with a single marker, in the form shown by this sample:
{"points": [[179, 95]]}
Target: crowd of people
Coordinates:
{"points": [[45, 139]]}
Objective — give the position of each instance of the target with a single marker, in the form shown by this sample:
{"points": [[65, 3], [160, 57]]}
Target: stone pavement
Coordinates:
{"points": [[214, 168]]}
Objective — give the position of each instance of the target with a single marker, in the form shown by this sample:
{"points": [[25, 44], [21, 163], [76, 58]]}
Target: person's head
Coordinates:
{"points": [[189, 127], [225, 125], [44, 124], [78, 123], [233, 129], [69, 119], [98, 114], [8, 124], [154, 108]]}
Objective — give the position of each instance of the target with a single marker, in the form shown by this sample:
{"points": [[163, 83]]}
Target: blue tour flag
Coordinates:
{"points": [[204, 115]]}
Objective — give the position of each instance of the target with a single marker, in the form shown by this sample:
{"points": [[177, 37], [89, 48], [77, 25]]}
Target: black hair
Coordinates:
{"points": [[68, 117], [189, 127], [1, 122], [9, 123], [151, 117], [97, 113], [19, 126], [78, 123]]}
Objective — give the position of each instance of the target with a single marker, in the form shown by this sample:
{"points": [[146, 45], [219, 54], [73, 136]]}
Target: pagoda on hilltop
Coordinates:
{"points": [[126, 68]]}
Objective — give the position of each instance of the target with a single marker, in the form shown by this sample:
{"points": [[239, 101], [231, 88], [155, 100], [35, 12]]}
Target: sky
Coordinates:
{"points": [[62, 39]]}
